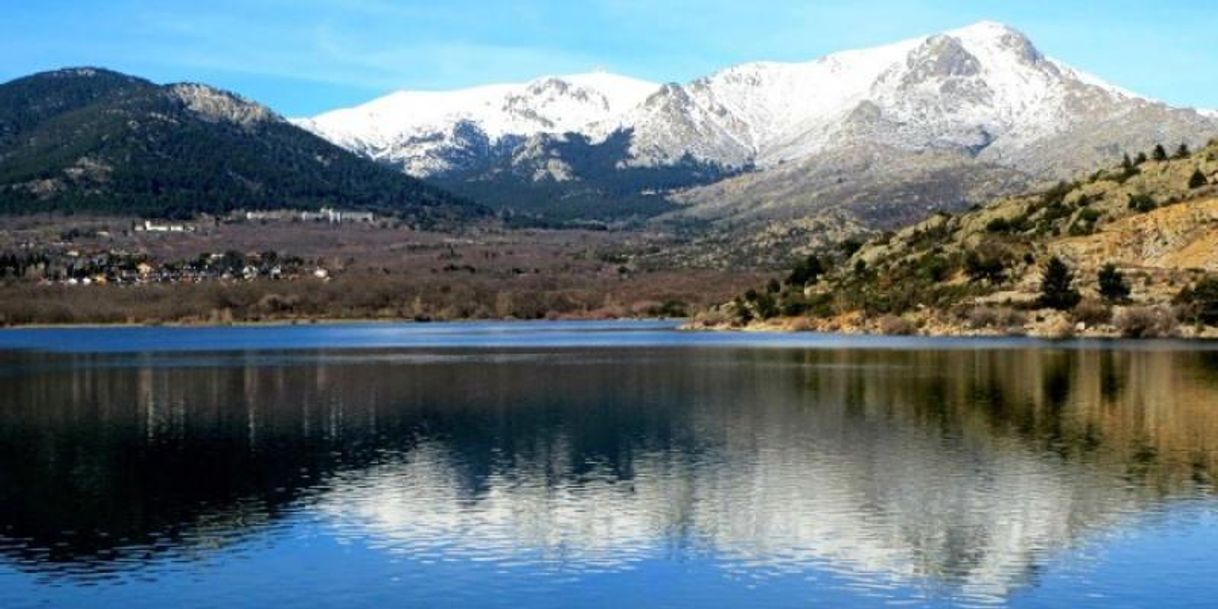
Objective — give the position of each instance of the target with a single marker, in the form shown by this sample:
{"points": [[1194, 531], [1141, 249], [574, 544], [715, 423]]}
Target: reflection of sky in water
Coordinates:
{"points": [[1125, 569], [611, 478]]}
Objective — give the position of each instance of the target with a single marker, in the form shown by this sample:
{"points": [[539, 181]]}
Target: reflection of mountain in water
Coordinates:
{"points": [[953, 468]]}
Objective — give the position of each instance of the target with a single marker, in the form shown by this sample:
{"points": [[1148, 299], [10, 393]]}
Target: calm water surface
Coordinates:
{"points": [[601, 465]]}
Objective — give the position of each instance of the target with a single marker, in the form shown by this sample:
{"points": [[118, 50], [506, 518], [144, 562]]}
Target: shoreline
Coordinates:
{"points": [[321, 321], [692, 325], [1049, 329]]}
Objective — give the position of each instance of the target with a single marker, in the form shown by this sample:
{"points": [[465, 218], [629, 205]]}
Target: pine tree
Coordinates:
{"points": [[806, 272], [1057, 288], [1140, 159], [1142, 203], [1183, 152], [1113, 286], [1197, 180], [1160, 153]]}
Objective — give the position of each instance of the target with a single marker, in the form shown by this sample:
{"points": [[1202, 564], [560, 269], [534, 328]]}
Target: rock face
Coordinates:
{"points": [[942, 122], [214, 105]]}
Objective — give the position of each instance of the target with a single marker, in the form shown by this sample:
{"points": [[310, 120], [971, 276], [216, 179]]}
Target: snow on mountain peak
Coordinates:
{"points": [[983, 87], [551, 104]]}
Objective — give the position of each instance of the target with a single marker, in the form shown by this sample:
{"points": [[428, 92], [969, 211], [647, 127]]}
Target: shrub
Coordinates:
{"points": [[1159, 153], [988, 317], [1197, 180], [1057, 287], [1147, 322], [1130, 168], [849, 247], [807, 272], [1142, 203], [1062, 329], [794, 306], [998, 225], [1113, 286], [767, 306], [935, 268], [1092, 313], [1183, 152], [1201, 301], [744, 314], [893, 325], [986, 265], [671, 308], [1057, 194]]}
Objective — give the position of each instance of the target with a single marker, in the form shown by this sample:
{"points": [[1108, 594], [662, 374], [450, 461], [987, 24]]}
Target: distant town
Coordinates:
{"points": [[60, 261]]}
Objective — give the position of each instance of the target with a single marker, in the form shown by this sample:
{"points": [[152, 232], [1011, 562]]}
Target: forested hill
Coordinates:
{"points": [[87, 139]]}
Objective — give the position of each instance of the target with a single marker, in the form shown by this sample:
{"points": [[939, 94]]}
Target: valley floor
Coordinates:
{"points": [[74, 270]]}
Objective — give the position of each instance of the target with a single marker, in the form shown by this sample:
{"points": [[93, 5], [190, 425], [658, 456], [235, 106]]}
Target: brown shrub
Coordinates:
{"points": [[1003, 318], [1092, 313], [893, 325], [1147, 322], [1062, 329]]}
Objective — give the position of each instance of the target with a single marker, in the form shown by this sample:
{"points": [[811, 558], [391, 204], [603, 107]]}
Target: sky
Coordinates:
{"points": [[302, 57]]}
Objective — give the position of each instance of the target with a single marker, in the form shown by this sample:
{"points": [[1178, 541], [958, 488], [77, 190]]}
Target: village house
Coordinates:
{"points": [[150, 227], [325, 214]]}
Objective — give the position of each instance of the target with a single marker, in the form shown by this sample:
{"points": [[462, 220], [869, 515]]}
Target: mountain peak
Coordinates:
{"points": [[983, 89], [89, 74], [998, 37], [986, 28]]}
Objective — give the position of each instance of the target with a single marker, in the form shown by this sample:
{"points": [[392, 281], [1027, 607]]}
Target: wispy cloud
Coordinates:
{"points": [[337, 52]]}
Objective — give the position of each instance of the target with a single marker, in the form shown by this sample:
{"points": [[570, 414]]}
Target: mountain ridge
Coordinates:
{"points": [[984, 93]]}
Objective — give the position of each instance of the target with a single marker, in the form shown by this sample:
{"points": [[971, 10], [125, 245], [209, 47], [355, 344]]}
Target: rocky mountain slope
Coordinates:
{"points": [[90, 139], [942, 122], [1138, 240]]}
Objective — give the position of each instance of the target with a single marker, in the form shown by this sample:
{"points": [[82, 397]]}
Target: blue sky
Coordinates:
{"points": [[305, 56]]}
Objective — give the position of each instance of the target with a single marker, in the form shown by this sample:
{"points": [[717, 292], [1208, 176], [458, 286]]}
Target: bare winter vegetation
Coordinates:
{"points": [[371, 272]]}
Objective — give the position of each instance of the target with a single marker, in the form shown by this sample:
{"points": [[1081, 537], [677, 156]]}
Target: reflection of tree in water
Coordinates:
{"points": [[961, 466]]}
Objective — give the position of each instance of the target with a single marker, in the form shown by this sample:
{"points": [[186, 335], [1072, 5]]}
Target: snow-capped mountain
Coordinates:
{"points": [[426, 131], [983, 93]]}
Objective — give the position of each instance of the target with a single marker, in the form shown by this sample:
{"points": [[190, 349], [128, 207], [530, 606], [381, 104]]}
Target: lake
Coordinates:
{"points": [[593, 465]]}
